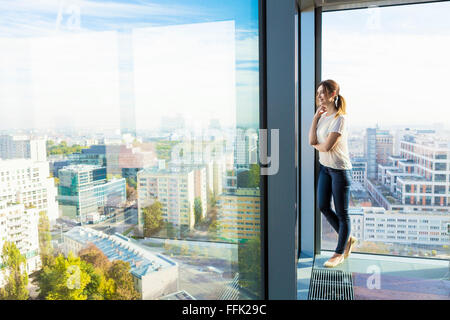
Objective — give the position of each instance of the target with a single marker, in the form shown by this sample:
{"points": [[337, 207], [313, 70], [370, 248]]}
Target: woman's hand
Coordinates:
{"points": [[320, 110]]}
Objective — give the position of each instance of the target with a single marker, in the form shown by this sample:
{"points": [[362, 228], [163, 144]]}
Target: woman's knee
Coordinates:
{"points": [[325, 208]]}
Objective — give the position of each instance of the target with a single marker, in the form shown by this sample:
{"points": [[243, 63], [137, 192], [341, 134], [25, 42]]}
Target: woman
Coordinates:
{"points": [[328, 135]]}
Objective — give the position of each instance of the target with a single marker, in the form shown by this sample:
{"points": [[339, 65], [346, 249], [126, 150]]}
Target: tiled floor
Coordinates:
{"points": [[385, 277]]}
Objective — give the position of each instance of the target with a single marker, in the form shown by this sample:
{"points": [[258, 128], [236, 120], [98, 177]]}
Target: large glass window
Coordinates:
{"points": [[392, 68], [139, 121]]}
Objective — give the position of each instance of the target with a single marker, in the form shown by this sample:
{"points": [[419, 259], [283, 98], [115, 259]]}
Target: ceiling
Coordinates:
{"points": [[331, 5]]}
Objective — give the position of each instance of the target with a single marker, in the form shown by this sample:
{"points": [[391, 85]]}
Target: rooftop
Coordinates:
{"points": [[166, 171], [80, 167], [119, 247], [412, 178]]}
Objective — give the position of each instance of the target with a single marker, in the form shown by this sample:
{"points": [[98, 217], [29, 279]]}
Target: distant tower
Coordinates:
{"points": [[379, 146]]}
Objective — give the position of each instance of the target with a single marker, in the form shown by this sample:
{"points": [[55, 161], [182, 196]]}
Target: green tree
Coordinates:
{"points": [[243, 179], [131, 182], [198, 210], [254, 176], [153, 221], [66, 279], [15, 273], [45, 240], [124, 289], [249, 258], [100, 287]]}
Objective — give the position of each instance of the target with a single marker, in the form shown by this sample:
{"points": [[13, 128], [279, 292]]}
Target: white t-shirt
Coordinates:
{"points": [[336, 158]]}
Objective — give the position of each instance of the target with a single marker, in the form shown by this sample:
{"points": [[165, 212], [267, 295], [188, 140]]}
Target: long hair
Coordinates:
{"points": [[329, 87]]}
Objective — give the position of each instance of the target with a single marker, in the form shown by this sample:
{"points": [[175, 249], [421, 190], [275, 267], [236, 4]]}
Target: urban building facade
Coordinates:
{"points": [[84, 193], [418, 179], [19, 225], [379, 146], [22, 147], [238, 215], [174, 188], [28, 182]]}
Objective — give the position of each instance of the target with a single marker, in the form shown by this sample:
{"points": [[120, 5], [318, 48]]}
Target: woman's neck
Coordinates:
{"points": [[331, 109]]}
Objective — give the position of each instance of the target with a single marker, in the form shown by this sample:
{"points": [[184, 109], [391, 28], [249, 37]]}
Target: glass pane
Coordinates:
{"points": [[392, 65], [129, 132]]}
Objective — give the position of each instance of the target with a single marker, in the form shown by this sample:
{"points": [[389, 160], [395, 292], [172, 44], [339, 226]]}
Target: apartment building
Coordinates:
{"points": [[239, 215], [22, 147], [28, 182], [246, 148], [19, 225], [359, 170], [406, 228], [418, 179], [174, 188]]}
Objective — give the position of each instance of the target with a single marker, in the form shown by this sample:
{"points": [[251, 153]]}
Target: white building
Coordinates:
{"points": [[28, 182], [359, 170], [14, 147], [418, 180], [405, 228], [20, 226], [154, 275], [173, 188], [245, 148]]}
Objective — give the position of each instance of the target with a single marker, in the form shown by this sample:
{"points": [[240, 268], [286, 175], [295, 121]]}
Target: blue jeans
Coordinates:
{"points": [[337, 183]]}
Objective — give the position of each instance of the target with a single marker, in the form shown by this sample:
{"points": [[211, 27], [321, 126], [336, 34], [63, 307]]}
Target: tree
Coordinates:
{"points": [[91, 276], [153, 221], [100, 287], [15, 273], [249, 258], [254, 176], [45, 240], [198, 210], [131, 182], [124, 289], [243, 179], [131, 193], [66, 279], [249, 178], [93, 255]]}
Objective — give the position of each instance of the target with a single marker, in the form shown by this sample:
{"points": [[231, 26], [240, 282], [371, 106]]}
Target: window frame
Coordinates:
{"points": [[315, 32]]}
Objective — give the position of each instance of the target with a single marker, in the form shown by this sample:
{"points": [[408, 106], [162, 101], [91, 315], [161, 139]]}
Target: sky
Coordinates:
{"points": [[391, 63], [64, 64], [71, 63]]}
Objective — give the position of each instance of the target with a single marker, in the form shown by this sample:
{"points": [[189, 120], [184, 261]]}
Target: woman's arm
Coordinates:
{"points": [[313, 130], [329, 144]]}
